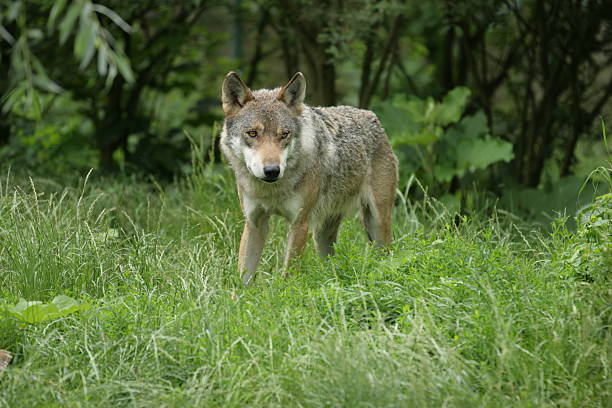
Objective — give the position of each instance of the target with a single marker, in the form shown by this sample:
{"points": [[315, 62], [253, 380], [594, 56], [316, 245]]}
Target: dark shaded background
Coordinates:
{"points": [[132, 86]]}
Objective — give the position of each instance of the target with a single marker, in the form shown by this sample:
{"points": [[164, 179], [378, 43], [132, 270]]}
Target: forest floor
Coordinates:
{"points": [[479, 310]]}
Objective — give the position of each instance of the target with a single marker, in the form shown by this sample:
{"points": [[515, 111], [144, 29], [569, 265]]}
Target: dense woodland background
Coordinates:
{"points": [[507, 96]]}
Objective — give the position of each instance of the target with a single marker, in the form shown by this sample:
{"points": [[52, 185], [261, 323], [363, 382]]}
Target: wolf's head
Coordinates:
{"points": [[261, 127]]}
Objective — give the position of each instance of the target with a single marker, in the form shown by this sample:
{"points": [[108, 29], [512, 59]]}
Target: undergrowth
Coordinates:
{"points": [[462, 311]]}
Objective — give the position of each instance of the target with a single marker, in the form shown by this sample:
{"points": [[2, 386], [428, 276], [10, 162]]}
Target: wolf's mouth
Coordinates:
{"points": [[269, 179]]}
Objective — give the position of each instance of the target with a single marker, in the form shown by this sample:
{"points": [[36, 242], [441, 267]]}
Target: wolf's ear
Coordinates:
{"points": [[234, 94], [293, 93]]}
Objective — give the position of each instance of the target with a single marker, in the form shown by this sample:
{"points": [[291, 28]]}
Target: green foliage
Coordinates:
{"points": [[436, 143], [28, 78], [120, 85], [53, 146], [36, 311], [591, 255], [92, 37], [137, 75]]}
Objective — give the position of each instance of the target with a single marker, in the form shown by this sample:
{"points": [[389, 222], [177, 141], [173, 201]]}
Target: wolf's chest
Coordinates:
{"points": [[287, 206]]}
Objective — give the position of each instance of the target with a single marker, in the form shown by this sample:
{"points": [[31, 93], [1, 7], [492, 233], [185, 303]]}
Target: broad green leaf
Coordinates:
{"points": [[475, 125], [449, 111], [36, 311], [428, 135], [65, 303], [470, 127], [475, 154], [403, 112], [398, 116], [33, 312], [24, 304], [429, 113], [445, 173], [422, 137], [414, 109]]}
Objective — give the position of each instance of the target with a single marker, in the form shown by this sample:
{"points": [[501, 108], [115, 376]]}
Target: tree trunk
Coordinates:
{"points": [[366, 69], [327, 89], [258, 54], [385, 56], [568, 155], [5, 131], [323, 72], [447, 62]]}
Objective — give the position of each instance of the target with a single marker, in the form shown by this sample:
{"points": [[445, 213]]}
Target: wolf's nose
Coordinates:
{"points": [[271, 171]]}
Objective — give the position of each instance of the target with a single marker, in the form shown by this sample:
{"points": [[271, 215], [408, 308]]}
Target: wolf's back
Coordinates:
{"points": [[351, 129], [349, 141]]}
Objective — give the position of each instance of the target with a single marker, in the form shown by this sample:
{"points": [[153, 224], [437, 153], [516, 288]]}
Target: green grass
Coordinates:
{"points": [[484, 313]]}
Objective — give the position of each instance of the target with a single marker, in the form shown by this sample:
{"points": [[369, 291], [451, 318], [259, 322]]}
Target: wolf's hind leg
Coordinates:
{"points": [[378, 231], [325, 235], [377, 201]]}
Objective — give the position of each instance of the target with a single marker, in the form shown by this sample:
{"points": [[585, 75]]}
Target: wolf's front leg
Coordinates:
{"points": [[251, 246], [298, 234]]}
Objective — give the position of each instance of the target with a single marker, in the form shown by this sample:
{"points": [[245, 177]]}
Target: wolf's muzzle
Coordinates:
{"points": [[271, 173]]}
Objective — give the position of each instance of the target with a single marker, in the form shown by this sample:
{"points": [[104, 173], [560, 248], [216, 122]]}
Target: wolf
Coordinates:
{"points": [[311, 165]]}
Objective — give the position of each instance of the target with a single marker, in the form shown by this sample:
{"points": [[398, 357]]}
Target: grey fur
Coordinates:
{"points": [[335, 148]]}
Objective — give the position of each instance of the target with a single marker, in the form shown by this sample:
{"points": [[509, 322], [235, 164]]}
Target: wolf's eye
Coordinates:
{"points": [[252, 133], [285, 134]]}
